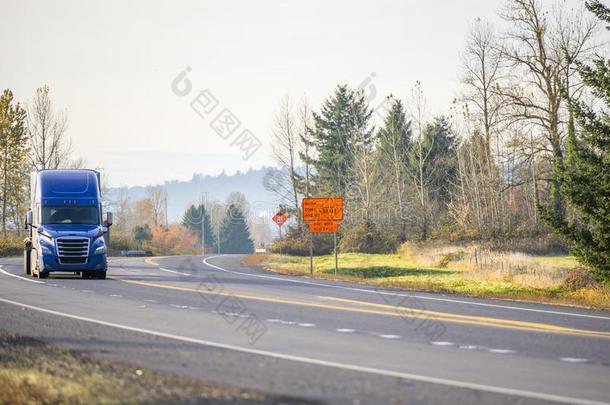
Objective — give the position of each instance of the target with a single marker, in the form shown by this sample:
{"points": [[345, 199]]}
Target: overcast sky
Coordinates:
{"points": [[110, 65]]}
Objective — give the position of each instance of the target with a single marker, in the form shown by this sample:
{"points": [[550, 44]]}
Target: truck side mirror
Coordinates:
{"points": [[28, 219], [108, 218]]}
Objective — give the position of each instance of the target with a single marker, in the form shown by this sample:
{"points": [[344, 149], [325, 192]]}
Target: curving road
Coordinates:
{"points": [[322, 341]]}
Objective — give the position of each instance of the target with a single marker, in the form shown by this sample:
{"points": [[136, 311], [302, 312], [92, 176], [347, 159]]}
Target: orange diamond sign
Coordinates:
{"points": [[279, 218]]}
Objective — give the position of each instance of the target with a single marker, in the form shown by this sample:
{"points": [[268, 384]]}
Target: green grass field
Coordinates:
{"points": [[505, 276]]}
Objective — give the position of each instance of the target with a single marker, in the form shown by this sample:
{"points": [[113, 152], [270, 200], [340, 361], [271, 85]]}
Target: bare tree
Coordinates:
{"points": [[418, 158], [50, 146], [541, 50], [307, 144], [158, 196], [360, 189], [286, 145], [482, 69]]}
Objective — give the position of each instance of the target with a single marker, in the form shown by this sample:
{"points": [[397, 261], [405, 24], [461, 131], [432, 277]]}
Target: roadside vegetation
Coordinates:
{"points": [[458, 269], [33, 372], [520, 163]]}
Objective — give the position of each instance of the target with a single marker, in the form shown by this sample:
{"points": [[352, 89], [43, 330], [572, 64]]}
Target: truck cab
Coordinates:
{"points": [[67, 233]]}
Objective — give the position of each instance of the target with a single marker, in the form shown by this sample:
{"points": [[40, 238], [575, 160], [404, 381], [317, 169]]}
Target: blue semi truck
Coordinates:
{"points": [[66, 229]]}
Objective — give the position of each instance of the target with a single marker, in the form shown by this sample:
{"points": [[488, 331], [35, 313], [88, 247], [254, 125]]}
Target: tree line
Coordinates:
{"points": [[522, 152], [143, 224]]}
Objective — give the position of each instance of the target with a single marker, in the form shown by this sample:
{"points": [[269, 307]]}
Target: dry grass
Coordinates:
{"points": [[33, 372], [465, 270]]}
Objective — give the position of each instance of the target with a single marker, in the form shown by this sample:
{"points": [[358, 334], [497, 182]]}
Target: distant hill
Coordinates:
{"points": [[183, 193]]}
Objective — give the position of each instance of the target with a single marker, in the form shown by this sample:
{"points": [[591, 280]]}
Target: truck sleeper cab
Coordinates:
{"points": [[67, 233]]}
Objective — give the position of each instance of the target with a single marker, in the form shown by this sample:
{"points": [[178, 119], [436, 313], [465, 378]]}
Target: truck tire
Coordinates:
{"points": [[101, 275], [33, 265], [27, 261]]}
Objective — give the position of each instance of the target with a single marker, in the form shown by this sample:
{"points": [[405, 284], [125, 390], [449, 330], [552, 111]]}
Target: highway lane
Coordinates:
{"points": [[323, 336]]}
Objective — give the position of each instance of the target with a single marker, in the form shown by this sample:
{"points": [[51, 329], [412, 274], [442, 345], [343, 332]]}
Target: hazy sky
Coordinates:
{"points": [[110, 65]]}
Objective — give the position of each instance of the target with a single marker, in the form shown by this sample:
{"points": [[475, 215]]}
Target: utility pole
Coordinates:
{"points": [[218, 238], [203, 221], [166, 226]]}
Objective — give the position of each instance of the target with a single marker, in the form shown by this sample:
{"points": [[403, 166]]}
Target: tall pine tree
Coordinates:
{"points": [[394, 145], [343, 116], [192, 221], [584, 176], [441, 167], [234, 232]]}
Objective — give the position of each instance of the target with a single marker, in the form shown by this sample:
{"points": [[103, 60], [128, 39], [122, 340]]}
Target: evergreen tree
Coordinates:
{"points": [[395, 135], [441, 167], [142, 233], [584, 176], [394, 145], [343, 116], [191, 220], [234, 232]]}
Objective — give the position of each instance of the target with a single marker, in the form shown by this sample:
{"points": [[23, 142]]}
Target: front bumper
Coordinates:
{"points": [[92, 263]]}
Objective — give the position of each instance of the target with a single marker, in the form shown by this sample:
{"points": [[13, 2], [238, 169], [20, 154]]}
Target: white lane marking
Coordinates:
{"points": [[502, 351], [289, 323], [194, 308], [54, 285], [423, 297], [390, 336], [179, 306], [573, 360], [151, 301], [116, 295], [325, 363], [307, 325], [345, 330], [440, 343], [468, 347], [274, 320], [173, 271], [20, 277], [87, 291]]}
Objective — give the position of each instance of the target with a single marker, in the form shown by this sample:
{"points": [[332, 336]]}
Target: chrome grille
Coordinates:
{"points": [[68, 247]]}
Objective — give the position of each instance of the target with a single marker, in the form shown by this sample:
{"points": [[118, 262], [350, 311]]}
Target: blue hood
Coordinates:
{"points": [[88, 231]]}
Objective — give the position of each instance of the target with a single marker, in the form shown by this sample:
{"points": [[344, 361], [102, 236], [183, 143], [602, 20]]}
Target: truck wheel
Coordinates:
{"points": [[101, 275], [43, 274], [27, 262]]}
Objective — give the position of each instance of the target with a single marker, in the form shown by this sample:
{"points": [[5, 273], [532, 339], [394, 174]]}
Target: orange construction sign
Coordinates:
{"points": [[280, 218], [323, 227], [322, 209]]}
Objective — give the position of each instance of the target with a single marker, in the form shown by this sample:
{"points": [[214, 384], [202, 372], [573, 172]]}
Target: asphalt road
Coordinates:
{"points": [[321, 341]]}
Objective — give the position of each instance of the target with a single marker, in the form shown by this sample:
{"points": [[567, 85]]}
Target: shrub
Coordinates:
{"points": [[368, 239], [175, 240], [298, 245], [11, 246], [120, 242], [578, 278]]}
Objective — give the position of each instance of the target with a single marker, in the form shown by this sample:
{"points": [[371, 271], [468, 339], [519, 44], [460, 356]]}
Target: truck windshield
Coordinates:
{"points": [[74, 214]]}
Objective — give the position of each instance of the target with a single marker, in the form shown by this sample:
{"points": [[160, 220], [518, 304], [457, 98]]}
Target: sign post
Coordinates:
{"points": [[311, 254], [280, 218], [323, 215]]}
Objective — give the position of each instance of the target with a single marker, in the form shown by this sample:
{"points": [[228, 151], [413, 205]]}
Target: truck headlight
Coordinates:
{"points": [[45, 250], [100, 250]]}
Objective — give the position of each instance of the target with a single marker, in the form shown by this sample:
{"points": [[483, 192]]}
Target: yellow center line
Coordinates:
{"points": [[487, 320], [151, 261], [389, 310]]}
